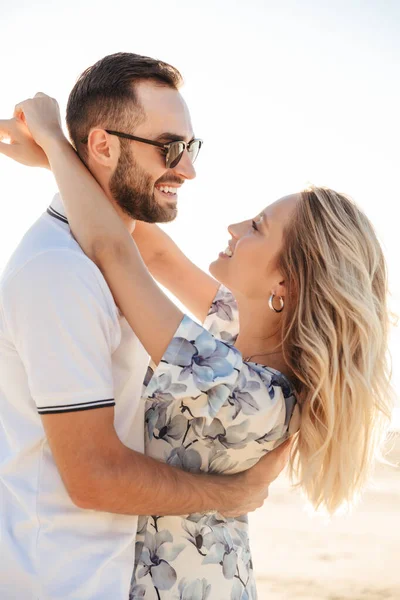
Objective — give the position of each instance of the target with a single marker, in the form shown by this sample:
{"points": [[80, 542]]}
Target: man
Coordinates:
{"points": [[72, 475]]}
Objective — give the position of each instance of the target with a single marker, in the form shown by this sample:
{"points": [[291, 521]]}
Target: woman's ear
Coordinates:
{"points": [[103, 149], [279, 289]]}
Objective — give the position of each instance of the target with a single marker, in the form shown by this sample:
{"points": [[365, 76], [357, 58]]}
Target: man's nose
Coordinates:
{"points": [[185, 168]]}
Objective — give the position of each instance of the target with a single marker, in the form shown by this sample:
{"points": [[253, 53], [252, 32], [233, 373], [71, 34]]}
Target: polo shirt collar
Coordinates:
{"points": [[57, 210]]}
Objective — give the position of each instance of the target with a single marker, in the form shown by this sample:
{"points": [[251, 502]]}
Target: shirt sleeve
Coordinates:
{"points": [[64, 325], [222, 320]]}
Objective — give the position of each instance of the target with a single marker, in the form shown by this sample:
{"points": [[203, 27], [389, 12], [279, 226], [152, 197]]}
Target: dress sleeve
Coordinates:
{"points": [[222, 320], [208, 378], [211, 410], [195, 366]]}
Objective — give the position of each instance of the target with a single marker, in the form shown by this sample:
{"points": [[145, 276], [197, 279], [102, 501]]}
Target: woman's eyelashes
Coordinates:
{"points": [[254, 225]]}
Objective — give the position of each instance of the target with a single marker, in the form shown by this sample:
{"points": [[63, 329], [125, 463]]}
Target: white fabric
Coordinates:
{"points": [[63, 347]]}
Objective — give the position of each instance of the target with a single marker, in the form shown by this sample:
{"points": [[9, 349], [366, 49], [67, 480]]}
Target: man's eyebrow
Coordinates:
{"points": [[171, 137]]}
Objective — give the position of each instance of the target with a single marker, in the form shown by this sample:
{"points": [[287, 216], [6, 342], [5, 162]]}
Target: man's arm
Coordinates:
{"points": [[100, 473], [63, 327]]}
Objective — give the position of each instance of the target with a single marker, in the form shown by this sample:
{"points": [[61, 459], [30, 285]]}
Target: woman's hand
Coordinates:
{"points": [[41, 114], [36, 124], [21, 147]]}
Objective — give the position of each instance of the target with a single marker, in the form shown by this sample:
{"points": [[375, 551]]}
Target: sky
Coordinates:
{"points": [[284, 93]]}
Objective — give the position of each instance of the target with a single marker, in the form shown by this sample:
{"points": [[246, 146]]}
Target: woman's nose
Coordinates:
{"points": [[236, 230]]}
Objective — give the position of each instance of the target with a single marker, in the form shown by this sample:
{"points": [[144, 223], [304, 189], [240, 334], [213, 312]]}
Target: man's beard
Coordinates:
{"points": [[133, 190]]}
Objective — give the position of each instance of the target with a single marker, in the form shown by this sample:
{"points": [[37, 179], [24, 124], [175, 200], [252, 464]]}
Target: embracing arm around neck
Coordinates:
{"points": [[105, 239]]}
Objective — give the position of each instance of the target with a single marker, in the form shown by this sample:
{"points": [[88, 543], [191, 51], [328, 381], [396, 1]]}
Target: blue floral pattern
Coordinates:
{"points": [[206, 411]]}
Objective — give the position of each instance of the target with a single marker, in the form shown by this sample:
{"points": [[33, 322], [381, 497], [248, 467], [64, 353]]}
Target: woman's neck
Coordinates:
{"points": [[260, 336]]}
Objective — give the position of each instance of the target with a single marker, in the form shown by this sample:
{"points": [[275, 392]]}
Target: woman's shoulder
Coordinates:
{"points": [[196, 360], [222, 320], [272, 377]]}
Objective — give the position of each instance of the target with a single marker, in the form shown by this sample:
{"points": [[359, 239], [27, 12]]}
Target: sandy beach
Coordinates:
{"points": [[298, 555]]}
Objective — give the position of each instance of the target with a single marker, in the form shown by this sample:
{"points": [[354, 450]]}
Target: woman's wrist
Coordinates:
{"points": [[54, 143]]}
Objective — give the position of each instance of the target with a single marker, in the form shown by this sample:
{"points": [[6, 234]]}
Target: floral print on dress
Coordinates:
{"points": [[206, 411]]}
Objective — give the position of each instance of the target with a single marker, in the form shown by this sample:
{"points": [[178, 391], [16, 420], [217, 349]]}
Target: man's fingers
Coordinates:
{"points": [[276, 460], [282, 452], [284, 447]]}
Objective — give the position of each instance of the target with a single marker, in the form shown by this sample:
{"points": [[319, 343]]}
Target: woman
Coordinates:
{"points": [[309, 283]]}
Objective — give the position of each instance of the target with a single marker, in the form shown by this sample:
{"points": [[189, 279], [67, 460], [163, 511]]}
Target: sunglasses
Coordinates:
{"points": [[173, 150]]}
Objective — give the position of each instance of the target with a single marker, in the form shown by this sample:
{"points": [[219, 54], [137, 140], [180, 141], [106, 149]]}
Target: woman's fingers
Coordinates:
{"points": [[6, 133], [41, 115], [36, 122], [13, 130], [7, 150], [21, 147], [19, 111], [5, 126], [30, 103]]}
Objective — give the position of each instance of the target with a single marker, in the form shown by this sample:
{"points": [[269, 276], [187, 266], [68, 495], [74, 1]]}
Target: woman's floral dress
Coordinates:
{"points": [[206, 410]]}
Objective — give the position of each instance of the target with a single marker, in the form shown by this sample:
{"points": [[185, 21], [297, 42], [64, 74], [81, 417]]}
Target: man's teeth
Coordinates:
{"points": [[167, 189], [228, 251]]}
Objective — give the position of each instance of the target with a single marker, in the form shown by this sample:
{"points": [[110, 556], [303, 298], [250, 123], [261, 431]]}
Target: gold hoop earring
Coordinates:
{"points": [[271, 303]]}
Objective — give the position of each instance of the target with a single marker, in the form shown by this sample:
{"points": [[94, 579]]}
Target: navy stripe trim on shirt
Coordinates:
{"points": [[56, 215], [57, 212], [74, 407], [69, 410]]}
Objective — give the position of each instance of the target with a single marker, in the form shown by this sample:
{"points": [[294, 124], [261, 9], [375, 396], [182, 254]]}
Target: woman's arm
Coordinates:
{"points": [[101, 233], [167, 263], [104, 238], [173, 269]]}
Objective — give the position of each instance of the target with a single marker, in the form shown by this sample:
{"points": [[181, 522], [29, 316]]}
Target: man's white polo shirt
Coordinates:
{"points": [[63, 347]]}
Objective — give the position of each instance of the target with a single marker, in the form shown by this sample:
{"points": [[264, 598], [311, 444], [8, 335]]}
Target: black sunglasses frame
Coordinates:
{"points": [[167, 147]]}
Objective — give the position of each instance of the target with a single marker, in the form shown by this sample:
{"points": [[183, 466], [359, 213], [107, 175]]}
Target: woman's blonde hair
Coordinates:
{"points": [[336, 330]]}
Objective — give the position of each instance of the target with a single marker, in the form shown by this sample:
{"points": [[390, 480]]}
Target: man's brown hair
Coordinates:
{"points": [[104, 95]]}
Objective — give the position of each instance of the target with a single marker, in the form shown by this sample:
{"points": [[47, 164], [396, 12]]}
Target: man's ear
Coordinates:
{"points": [[103, 148]]}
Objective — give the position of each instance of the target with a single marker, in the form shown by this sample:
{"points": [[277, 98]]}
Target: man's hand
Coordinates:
{"points": [[21, 147], [41, 114], [256, 480]]}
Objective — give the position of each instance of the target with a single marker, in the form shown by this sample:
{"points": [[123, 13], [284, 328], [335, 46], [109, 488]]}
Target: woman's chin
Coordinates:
{"points": [[213, 268], [217, 271]]}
